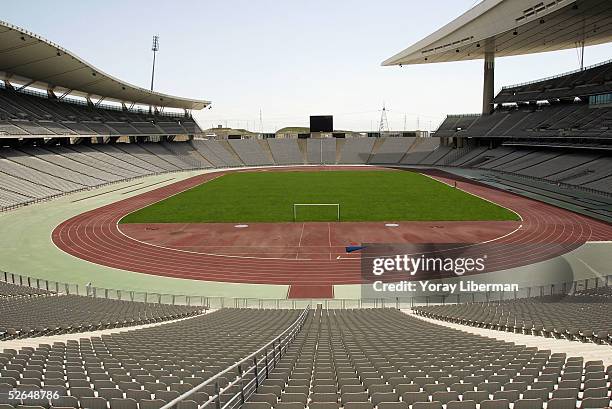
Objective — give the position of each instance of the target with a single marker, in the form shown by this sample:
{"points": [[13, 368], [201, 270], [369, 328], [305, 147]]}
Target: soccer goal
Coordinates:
{"points": [[317, 213]]}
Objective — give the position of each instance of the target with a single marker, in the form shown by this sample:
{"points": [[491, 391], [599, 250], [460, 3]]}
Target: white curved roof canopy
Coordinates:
{"points": [[513, 27], [28, 59]]}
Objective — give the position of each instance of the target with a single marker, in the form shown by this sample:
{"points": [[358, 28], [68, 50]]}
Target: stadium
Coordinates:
{"points": [[149, 262]]}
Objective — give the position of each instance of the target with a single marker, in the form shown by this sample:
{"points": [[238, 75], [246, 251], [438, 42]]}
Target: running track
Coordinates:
{"points": [[546, 231]]}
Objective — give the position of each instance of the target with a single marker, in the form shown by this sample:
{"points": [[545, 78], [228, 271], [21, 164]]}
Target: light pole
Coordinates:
{"points": [[155, 49]]}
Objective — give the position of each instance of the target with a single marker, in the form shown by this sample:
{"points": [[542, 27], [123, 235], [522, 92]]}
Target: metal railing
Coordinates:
{"points": [[216, 302], [248, 373], [522, 84]]}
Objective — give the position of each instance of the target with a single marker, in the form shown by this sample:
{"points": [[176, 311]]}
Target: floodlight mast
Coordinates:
{"points": [[155, 49]]}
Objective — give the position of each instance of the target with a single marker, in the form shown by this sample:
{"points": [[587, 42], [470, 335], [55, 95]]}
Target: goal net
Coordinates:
{"points": [[311, 212]]}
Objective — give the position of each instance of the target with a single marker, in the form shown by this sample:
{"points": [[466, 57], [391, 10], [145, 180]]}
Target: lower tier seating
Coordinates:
{"points": [[386, 359], [577, 317], [23, 317]]}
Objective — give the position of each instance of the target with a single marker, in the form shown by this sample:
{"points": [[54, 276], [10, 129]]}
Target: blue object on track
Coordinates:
{"points": [[350, 249]]}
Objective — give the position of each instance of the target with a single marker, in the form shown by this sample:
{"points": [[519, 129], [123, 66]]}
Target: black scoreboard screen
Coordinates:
{"points": [[322, 123]]}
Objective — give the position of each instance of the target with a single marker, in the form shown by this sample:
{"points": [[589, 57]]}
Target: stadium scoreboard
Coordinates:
{"points": [[321, 123]]}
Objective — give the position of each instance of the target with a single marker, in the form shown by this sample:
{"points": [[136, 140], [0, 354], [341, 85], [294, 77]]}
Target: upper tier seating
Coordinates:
{"points": [[58, 314], [593, 80], [533, 121], [577, 317], [23, 113]]}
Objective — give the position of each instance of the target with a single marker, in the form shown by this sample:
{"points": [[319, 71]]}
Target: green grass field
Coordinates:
{"points": [[362, 195]]}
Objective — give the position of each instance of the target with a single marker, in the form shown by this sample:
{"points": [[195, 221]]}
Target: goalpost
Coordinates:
{"points": [[296, 205]]}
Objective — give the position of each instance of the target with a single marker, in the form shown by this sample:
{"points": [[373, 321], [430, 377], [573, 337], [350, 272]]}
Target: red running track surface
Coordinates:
{"points": [[309, 257]]}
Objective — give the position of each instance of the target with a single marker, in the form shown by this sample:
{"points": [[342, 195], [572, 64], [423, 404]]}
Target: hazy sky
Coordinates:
{"points": [[289, 58]]}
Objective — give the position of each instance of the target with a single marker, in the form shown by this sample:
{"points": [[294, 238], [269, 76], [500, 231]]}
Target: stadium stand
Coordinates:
{"points": [[574, 317], [143, 368], [321, 151], [285, 151], [12, 290], [223, 150], [188, 155], [391, 150], [590, 81], [28, 112], [556, 119], [598, 291], [362, 359], [420, 150], [357, 151], [550, 144], [30, 174], [58, 314], [455, 123], [250, 152]]}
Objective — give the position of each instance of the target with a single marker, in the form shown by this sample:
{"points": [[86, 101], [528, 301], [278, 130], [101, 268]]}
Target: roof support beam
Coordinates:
{"points": [[65, 94], [27, 84], [488, 87], [7, 83]]}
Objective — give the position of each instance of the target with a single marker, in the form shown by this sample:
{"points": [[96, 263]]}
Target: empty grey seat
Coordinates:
{"points": [[323, 405], [187, 404], [379, 397], [269, 398], [289, 405], [536, 394], [445, 397], [565, 393], [297, 389], [383, 388], [294, 397], [356, 405], [495, 404], [325, 389], [528, 404], [93, 403], [121, 403], [322, 397], [476, 396], [392, 405], [596, 392], [413, 397], [158, 403], [427, 405], [561, 403], [354, 397], [595, 403], [510, 396], [465, 404]]}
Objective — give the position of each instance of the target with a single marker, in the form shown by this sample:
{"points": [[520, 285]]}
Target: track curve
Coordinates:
{"points": [[94, 236]]}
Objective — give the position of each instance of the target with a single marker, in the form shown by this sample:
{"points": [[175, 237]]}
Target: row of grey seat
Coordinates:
{"points": [[37, 173], [14, 290], [143, 368], [24, 317], [585, 318], [389, 360], [25, 113]]}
